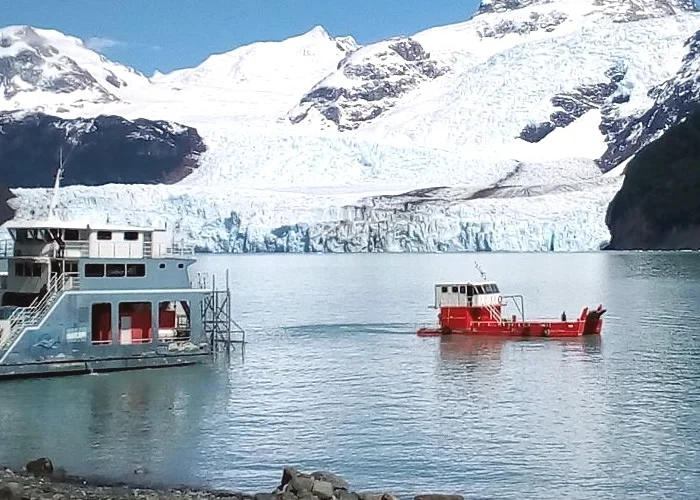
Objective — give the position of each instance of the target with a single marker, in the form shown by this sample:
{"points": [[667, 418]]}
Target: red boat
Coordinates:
{"points": [[476, 309]]}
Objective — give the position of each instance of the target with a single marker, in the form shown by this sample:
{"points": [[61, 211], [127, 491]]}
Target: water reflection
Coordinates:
{"points": [[473, 351]]}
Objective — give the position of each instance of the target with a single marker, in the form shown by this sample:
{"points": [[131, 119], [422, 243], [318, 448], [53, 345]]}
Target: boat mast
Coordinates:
{"points": [[56, 185], [481, 271]]}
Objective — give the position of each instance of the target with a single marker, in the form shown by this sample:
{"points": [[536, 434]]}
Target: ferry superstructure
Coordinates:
{"points": [[88, 298]]}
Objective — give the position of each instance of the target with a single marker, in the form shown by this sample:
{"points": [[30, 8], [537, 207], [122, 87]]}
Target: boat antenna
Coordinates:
{"points": [[57, 184], [481, 271]]}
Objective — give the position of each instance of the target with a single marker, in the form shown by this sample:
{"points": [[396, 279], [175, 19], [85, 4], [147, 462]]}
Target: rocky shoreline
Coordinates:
{"points": [[40, 480]]}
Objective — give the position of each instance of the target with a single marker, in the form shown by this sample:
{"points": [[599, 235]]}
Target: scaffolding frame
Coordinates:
{"points": [[222, 331]]}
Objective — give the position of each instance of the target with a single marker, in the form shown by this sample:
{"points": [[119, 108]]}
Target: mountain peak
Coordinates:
{"points": [[40, 61]]}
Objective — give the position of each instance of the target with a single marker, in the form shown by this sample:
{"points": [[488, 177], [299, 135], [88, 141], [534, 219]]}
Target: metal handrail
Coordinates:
{"points": [[27, 317]]}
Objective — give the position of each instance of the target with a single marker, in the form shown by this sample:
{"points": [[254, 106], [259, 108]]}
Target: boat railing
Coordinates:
{"points": [[27, 317], [159, 250], [7, 247]]}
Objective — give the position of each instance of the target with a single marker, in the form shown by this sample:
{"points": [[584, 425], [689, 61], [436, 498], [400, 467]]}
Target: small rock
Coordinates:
{"points": [[323, 490], [337, 481], [11, 491], [263, 496], [287, 495], [288, 474], [59, 474], [40, 467], [388, 496], [300, 484], [437, 496], [346, 495]]}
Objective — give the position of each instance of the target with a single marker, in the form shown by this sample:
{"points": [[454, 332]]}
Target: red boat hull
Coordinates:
{"points": [[589, 323]]}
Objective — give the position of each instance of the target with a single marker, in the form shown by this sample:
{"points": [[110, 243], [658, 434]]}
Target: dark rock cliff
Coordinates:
{"points": [[658, 206], [6, 213], [102, 150]]}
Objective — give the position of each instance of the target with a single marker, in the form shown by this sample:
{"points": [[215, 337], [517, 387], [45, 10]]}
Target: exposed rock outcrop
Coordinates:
{"points": [[658, 206], [574, 104], [674, 101], [620, 10], [102, 150], [368, 82]]}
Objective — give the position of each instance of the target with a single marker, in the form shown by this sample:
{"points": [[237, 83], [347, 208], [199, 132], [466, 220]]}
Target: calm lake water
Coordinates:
{"points": [[334, 378]]}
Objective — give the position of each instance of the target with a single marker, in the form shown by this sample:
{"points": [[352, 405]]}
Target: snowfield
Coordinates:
{"points": [[435, 163]]}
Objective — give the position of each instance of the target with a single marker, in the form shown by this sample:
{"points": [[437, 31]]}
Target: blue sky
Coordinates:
{"points": [[172, 34]]}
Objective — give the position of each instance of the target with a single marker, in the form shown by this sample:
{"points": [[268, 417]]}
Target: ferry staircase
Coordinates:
{"points": [[23, 318], [217, 319]]}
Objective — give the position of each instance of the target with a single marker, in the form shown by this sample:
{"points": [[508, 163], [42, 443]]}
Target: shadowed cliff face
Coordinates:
{"points": [[658, 206], [6, 213], [103, 150]]}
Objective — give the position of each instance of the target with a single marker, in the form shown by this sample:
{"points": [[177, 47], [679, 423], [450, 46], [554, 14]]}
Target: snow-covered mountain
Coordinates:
{"points": [[45, 69], [490, 134]]}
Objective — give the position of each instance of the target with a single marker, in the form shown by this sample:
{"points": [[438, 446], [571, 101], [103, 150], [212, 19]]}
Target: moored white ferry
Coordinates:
{"points": [[81, 298]]}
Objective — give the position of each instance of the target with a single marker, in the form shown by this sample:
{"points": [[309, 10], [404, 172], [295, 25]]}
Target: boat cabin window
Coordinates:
{"points": [[94, 270], [28, 269], [131, 236], [444, 289], [32, 235], [115, 270], [71, 235], [454, 289], [470, 290], [462, 289], [136, 270], [104, 235]]}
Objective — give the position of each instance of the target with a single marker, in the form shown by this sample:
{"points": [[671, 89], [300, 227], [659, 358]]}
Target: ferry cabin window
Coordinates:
{"points": [[104, 235], [94, 270], [136, 270], [454, 289], [470, 290], [131, 236], [28, 269], [444, 289], [71, 235], [161, 265], [71, 267], [462, 289], [115, 270]]}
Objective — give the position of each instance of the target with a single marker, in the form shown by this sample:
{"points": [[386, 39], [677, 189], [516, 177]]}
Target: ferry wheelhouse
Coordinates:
{"points": [[82, 298], [476, 308]]}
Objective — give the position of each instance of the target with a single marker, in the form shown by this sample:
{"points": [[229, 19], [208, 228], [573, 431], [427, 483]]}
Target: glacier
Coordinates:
{"points": [[442, 167]]}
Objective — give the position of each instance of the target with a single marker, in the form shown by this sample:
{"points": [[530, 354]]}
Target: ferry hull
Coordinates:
{"points": [[72, 367]]}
